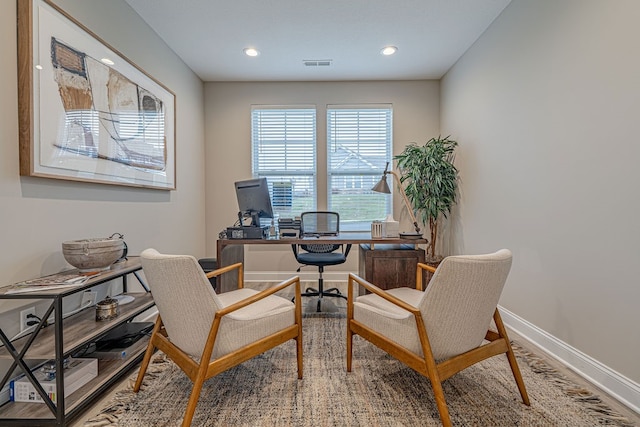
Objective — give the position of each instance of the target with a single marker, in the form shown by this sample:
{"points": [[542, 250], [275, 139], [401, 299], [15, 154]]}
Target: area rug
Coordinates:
{"points": [[379, 391]]}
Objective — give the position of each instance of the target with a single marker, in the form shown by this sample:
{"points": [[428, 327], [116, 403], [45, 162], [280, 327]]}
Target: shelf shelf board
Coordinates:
{"points": [[79, 329], [75, 403]]}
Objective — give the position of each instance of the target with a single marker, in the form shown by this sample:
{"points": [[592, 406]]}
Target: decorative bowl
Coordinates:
{"points": [[93, 254]]}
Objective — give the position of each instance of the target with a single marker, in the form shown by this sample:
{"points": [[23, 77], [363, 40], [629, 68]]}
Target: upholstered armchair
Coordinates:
{"points": [[205, 333], [442, 330]]}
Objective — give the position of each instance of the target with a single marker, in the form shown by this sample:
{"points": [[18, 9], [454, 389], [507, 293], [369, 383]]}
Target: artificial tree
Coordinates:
{"points": [[430, 182]]}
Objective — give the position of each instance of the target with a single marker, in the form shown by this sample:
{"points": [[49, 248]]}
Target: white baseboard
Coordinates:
{"points": [[308, 274], [618, 386]]}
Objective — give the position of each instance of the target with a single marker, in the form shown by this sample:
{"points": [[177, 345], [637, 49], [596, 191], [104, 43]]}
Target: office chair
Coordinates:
{"points": [[443, 330], [319, 224]]}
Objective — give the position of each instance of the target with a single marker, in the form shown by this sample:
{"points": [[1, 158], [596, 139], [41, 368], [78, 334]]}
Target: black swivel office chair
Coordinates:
{"points": [[319, 224]]}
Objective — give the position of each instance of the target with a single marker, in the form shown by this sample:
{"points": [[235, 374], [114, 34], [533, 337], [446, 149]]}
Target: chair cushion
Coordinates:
{"points": [[332, 258], [263, 308], [389, 320], [253, 322], [408, 295]]}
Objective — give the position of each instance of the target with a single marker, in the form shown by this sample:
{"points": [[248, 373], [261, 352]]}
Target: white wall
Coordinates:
{"points": [[37, 215], [546, 109], [228, 147]]}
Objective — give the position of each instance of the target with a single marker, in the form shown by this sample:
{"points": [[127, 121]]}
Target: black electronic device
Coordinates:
{"points": [[254, 200], [124, 335], [247, 232]]}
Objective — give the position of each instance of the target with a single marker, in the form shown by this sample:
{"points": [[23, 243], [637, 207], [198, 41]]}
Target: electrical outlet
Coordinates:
{"points": [[88, 298], [23, 318]]}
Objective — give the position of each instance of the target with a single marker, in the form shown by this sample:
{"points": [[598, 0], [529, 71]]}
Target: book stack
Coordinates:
{"points": [[78, 373]]}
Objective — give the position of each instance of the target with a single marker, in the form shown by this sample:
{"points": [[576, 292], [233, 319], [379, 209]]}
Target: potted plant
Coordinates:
{"points": [[430, 182]]}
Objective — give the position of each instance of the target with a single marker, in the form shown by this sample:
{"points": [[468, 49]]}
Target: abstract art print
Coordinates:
{"points": [[86, 112]]}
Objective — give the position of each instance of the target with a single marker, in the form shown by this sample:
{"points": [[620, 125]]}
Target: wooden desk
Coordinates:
{"points": [[230, 251]]}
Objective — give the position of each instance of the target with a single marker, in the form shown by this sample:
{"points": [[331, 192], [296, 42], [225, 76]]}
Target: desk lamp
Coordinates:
{"points": [[383, 187]]}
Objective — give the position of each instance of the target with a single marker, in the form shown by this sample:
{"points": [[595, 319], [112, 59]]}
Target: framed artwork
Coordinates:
{"points": [[86, 112]]}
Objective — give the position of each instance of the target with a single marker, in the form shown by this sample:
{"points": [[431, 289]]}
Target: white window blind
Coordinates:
{"points": [[359, 147], [283, 144]]}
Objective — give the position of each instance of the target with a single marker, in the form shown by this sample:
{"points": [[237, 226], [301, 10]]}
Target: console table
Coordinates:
{"points": [[65, 337], [230, 251]]}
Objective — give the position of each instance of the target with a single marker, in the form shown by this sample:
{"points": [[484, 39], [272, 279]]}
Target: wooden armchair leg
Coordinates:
{"points": [[512, 358], [147, 356], [193, 400], [298, 317], [438, 393], [518, 376], [299, 351], [349, 346]]}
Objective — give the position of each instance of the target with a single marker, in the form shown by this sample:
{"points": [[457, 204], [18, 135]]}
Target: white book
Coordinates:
{"points": [[78, 373]]}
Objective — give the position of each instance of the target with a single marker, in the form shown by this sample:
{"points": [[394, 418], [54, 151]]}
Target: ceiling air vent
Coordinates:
{"points": [[317, 62]]}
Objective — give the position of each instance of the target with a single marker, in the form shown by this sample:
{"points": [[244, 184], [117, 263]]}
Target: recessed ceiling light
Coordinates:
{"points": [[107, 61], [251, 51], [389, 50]]}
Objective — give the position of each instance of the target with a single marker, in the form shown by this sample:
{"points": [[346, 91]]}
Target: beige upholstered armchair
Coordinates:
{"points": [[205, 333], [443, 330]]}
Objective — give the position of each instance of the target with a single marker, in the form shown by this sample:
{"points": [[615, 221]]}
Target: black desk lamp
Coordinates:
{"points": [[383, 187]]}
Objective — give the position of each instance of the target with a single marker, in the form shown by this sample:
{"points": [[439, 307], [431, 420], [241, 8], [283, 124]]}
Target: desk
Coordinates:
{"points": [[230, 251]]}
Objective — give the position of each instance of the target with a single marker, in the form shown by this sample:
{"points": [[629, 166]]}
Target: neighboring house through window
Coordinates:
{"points": [[358, 148]]}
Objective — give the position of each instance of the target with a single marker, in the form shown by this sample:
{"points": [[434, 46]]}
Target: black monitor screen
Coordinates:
{"points": [[253, 199]]}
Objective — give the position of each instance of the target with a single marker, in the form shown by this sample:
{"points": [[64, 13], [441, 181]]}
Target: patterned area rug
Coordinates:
{"points": [[380, 391]]}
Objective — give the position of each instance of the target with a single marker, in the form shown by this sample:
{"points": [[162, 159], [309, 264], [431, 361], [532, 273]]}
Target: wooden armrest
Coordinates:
{"points": [[427, 267], [419, 270], [381, 293], [221, 270], [263, 294]]}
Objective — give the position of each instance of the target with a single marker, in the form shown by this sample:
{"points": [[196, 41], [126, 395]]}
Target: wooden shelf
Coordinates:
{"points": [[79, 329], [67, 337], [120, 269], [107, 370]]}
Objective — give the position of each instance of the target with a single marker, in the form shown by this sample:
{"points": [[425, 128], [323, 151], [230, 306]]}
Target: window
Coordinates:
{"points": [[283, 142], [358, 149], [284, 150]]}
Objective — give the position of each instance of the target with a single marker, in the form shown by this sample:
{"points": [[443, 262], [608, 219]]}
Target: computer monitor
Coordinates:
{"points": [[254, 200]]}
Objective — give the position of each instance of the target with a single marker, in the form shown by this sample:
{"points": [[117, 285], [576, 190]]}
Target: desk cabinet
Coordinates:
{"points": [[390, 266], [63, 338]]}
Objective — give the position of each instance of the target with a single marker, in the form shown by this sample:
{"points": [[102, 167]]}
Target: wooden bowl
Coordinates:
{"points": [[93, 254]]}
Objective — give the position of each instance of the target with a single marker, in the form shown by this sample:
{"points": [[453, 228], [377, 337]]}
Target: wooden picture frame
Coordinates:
{"points": [[86, 112]]}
